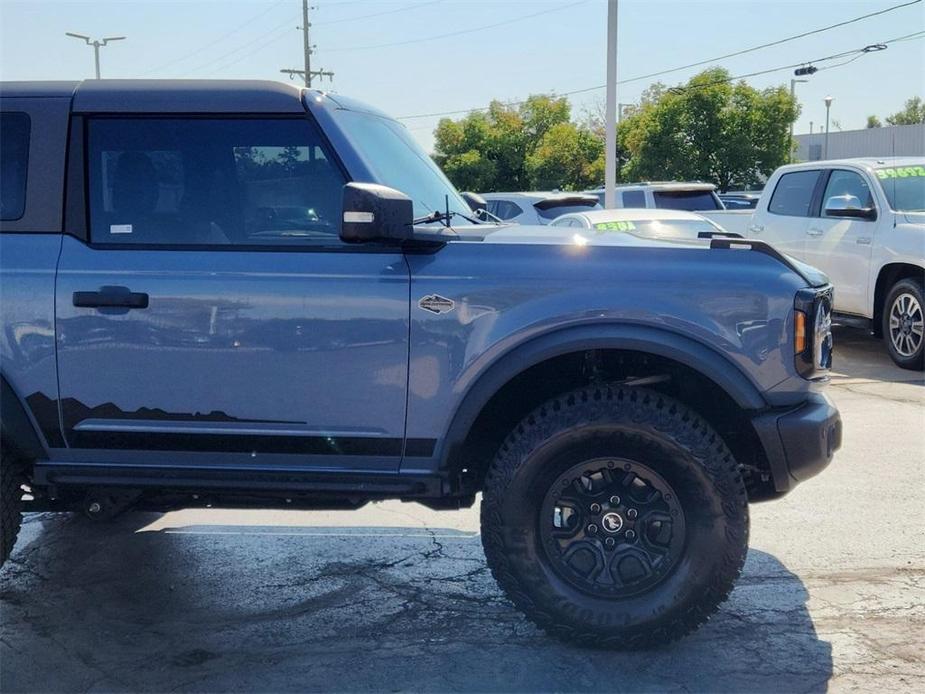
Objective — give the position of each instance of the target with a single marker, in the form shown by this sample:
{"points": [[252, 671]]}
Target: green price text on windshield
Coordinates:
{"points": [[900, 172], [614, 226]]}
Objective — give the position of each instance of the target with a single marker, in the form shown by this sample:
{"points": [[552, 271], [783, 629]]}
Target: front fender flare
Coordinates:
{"points": [[655, 341]]}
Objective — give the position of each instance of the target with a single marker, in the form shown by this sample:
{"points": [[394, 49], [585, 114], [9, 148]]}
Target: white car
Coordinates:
{"points": [[862, 222], [537, 207], [660, 224], [665, 195]]}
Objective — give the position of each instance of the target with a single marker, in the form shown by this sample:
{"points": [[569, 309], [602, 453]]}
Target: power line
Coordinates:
{"points": [[778, 42], [404, 8], [437, 37], [218, 40], [697, 64], [279, 30]]}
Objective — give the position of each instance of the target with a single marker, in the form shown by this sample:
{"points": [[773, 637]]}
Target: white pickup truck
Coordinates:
{"points": [[862, 222]]}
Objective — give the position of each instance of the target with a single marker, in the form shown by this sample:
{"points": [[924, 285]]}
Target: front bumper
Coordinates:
{"points": [[799, 442]]}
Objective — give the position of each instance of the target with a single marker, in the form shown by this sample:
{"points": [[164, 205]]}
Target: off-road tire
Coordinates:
{"points": [[907, 287], [629, 424], [10, 502]]}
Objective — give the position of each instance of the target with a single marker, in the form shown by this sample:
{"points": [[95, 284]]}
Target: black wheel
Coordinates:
{"points": [[615, 518], [904, 324], [10, 502]]}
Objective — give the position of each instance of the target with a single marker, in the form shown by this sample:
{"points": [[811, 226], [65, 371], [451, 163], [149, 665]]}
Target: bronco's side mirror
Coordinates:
{"points": [[848, 206], [372, 212]]}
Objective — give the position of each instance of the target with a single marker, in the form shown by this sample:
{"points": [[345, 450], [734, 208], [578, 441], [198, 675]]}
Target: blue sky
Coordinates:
{"points": [[558, 49]]}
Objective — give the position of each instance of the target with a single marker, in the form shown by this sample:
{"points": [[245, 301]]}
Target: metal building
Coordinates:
{"points": [[892, 140]]}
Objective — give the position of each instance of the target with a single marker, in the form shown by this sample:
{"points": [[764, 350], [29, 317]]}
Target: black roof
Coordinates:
{"points": [[167, 96]]}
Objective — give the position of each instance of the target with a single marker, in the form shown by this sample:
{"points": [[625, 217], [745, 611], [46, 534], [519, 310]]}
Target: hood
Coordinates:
{"points": [[576, 236], [517, 234]]}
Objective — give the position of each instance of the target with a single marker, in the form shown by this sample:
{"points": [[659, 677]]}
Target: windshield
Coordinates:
{"points": [[659, 228], [690, 200], [904, 187], [397, 161]]}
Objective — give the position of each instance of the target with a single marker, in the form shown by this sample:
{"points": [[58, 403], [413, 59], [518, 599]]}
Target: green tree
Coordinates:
{"points": [[710, 129], [516, 148], [568, 157], [873, 122], [913, 113]]}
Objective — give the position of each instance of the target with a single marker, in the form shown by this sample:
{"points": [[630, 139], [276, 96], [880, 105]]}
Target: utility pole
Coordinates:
{"points": [[307, 73], [828, 105], [793, 86], [610, 114], [96, 46]]}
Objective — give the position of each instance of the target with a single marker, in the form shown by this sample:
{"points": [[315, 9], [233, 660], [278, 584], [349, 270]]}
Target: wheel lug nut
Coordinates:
{"points": [[632, 513], [595, 508], [615, 500], [592, 528], [630, 534]]}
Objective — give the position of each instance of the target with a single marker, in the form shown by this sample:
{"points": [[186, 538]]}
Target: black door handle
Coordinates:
{"points": [[111, 297]]}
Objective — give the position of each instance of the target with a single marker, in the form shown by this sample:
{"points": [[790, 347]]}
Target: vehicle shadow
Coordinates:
{"points": [[116, 607], [860, 356]]}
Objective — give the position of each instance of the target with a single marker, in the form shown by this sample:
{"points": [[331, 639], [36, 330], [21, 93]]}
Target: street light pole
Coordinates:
{"points": [[828, 105], [610, 113], [793, 86], [96, 46]]}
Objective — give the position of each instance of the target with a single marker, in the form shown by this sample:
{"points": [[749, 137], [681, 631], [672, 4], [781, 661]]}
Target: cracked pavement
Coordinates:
{"points": [[397, 597]]}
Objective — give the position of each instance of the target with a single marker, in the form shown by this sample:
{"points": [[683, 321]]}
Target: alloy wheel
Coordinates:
{"points": [[907, 324]]}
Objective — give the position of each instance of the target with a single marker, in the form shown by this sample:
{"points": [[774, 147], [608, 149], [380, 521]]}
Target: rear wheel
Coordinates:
{"points": [[615, 518], [10, 502], [904, 324]]}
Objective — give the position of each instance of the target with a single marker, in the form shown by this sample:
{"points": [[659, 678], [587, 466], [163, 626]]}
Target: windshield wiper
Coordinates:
{"points": [[443, 217]]}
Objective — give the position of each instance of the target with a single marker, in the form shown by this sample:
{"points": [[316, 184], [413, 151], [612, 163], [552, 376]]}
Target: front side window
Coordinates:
{"points": [[14, 164], [504, 209], [849, 185], [794, 193], [904, 187], [172, 181]]}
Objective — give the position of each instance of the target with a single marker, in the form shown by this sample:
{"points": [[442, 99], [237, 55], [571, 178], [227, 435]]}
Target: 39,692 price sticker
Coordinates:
{"points": [[901, 172]]}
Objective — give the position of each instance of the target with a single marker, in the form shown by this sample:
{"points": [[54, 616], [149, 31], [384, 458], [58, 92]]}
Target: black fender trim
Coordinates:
{"points": [[18, 428], [663, 343]]}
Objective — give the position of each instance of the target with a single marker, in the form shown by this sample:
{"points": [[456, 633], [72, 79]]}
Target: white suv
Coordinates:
{"points": [[537, 207], [666, 195]]}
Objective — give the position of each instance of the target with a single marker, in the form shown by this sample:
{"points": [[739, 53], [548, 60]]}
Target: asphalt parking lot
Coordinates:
{"points": [[397, 598]]}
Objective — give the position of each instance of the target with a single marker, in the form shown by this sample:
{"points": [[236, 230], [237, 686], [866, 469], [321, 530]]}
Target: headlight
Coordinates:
{"points": [[812, 332]]}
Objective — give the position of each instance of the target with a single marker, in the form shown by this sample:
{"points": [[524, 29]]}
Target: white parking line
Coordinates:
{"points": [[426, 536]]}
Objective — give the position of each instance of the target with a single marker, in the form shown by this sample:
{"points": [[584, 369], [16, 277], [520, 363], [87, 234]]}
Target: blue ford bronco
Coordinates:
{"points": [[246, 294]]}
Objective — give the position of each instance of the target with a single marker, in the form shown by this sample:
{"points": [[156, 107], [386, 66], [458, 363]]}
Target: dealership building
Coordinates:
{"points": [[889, 141]]}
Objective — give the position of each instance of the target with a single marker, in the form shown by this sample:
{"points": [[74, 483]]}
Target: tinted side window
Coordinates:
{"points": [[634, 198], [794, 194], [505, 209], [14, 164], [848, 183], [171, 181]]}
